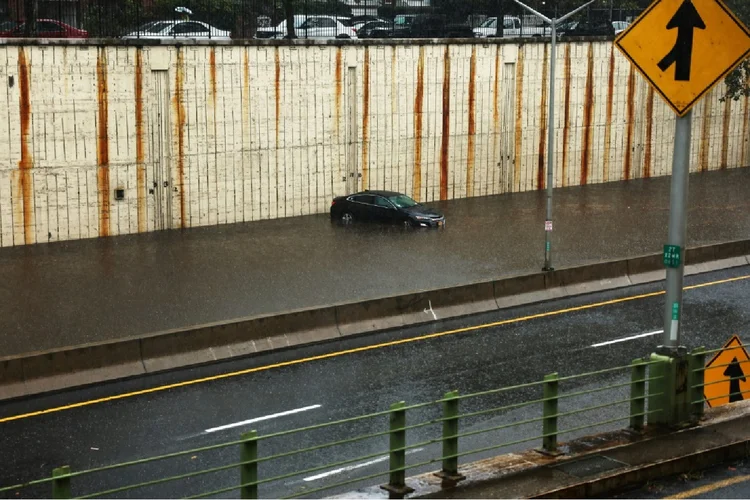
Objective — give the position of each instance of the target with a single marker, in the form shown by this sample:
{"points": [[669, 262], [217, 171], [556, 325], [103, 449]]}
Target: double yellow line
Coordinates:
{"points": [[336, 354]]}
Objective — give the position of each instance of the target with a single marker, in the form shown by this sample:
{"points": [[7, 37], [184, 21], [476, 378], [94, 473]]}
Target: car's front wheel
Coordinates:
{"points": [[408, 224], [347, 218]]}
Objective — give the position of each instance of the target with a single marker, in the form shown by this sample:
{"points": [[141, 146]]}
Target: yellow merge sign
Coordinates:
{"points": [[685, 47], [727, 375]]}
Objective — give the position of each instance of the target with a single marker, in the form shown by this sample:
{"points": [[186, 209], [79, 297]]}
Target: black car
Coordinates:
{"points": [[386, 207], [576, 28]]}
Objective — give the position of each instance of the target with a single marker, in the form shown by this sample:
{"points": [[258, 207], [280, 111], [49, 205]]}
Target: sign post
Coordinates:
{"points": [[683, 51], [554, 22]]}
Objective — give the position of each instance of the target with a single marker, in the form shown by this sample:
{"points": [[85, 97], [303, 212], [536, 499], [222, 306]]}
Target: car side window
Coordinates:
{"points": [[47, 27], [327, 23], [189, 29], [364, 198], [382, 202]]}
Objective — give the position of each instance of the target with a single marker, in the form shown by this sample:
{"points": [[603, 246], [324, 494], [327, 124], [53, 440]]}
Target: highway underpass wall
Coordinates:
{"points": [[102, 139]]}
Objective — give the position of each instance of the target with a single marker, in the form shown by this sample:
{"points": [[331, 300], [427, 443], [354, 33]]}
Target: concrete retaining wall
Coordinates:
{"points": [[100, 139], [41, 372]]}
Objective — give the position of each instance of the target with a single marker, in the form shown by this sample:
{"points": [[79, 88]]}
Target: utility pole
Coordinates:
{"points": [[554, 22]]}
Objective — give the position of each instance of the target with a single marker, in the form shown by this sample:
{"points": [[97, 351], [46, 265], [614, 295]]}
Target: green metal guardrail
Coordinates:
{"points": [[648, 383]]}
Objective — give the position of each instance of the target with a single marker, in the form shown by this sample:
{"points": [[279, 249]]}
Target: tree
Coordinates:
{"points": [[738, 82]]}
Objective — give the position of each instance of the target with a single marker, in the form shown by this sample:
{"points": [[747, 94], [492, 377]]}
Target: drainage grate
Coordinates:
{"points": [[590, 466]]}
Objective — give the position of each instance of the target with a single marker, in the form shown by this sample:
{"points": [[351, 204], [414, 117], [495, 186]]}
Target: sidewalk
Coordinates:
{"points": [[73, 293]]}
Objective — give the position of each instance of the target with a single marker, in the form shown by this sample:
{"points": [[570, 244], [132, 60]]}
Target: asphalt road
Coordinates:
{"points": [[343, 379], [730, 480], [79, 292]]}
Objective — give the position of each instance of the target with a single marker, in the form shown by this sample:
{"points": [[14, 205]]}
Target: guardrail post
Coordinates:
{"points": [[449, 474], [697, 372], [661, 391], [249, 467], [396, 486], [61, 482], [637, 395], [549, 424]]}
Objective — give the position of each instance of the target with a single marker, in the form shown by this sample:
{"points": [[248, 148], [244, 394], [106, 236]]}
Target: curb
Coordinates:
{"points": [[40, 372]]}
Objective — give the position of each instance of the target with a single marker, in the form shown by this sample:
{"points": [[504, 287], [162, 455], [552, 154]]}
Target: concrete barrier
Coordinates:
{"points": [[81, 366], [646, 269], [75, 366]]}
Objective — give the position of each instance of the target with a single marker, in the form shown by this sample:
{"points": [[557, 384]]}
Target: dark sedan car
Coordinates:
{"points": [[386, 207]]}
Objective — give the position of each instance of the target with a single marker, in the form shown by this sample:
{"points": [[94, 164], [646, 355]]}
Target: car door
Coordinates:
{"points": [[363, 207], [384, 210], [326, 28], [308, 28]]}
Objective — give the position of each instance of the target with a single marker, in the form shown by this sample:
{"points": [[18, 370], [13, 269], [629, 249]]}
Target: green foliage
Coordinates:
{"points": [[738, 82]]}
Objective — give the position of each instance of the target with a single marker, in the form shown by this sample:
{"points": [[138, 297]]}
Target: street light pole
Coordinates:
{"points": [[675, 250], [554, 22]]}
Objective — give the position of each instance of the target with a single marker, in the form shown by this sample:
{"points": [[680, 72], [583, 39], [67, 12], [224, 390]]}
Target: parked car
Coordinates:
{"points": [[581, 28], [279, 31], [620, 26], [314, 27], [512, 28], [165, 30], [385, 207], [365, 30], [46, 28], [424, 26]]}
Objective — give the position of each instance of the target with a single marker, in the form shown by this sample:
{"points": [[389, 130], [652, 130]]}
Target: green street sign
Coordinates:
{"points": [[672, 256]]}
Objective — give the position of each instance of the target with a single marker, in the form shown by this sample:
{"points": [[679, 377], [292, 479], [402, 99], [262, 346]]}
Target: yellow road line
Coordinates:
{"points": [[354, 351], [710, 487]]}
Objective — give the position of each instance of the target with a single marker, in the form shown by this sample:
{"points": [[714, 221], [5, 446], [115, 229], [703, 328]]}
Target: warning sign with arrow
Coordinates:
{"points": [[685, 47], [727, 375]]}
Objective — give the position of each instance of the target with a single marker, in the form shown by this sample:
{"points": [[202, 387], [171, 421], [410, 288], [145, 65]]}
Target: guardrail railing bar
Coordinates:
{"points": [[740, 346], [502, 408], [605, 388], [495, 391], [606, 370], [597, 407]]}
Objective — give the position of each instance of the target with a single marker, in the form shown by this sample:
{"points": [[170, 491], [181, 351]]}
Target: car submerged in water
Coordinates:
{"points": [[385, 207]]}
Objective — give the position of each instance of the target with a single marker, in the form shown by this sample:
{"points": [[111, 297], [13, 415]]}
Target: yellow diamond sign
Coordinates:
{"points": [[685, 47]]}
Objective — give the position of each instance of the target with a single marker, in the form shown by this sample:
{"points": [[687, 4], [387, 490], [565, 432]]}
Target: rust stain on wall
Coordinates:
{"points": [[277, 87], [725, 133], [102, 142], [246, 91], [588, 114], [470, 153], [649, 132], [745, 137], [418, 117], [179, 111], [445, 144], [519, 121], [27, 162], [566, 117], [540, 171], [496, 91], [366, 122], [630, 124], [212, 74], [339, 87], [608, 125], [705, 146], [394, 86], [140, 141]]}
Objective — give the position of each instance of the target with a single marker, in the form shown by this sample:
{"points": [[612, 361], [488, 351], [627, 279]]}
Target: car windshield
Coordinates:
{"points": [[402, 20], [155, 27], [489, 23], [403, 201]]}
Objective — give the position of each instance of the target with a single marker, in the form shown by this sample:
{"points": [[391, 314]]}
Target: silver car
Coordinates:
{"points": [[165, 30]]}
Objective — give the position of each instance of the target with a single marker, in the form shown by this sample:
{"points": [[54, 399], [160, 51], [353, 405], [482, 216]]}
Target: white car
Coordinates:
{"points": [[620, 26], [313, 27], [165, 30]]}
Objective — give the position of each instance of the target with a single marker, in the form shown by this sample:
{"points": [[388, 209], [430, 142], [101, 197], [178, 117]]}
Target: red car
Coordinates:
{"points": [[46, 28]]}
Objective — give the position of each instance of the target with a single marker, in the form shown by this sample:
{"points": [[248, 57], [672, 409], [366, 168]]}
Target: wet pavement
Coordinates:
{"points": [[277, 391], [73, 293]]}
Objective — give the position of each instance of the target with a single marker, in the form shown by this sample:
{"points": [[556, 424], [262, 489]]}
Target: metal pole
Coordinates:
{"points": [[551, 125], [677, 233], [550, 151]]}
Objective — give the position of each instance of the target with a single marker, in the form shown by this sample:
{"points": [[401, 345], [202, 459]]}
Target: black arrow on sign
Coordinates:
{"points": [[735, 374], [686, 19]]}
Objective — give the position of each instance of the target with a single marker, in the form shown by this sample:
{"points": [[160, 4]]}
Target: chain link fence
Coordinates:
{"points": [[326, 19]]}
